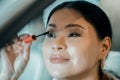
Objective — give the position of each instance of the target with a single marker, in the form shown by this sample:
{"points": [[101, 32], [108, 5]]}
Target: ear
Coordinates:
{"points": [[105, 47]]}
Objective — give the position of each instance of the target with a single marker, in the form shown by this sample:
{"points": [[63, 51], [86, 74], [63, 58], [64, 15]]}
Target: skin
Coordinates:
{"points": [[73, 50], [14, 58]]}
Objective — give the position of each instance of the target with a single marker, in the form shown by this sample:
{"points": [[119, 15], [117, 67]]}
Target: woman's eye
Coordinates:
{"points": [[50, 35], [74, 35]]}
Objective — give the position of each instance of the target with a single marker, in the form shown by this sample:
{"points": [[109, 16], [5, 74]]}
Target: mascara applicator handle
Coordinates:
{"points": [[30, 39]]}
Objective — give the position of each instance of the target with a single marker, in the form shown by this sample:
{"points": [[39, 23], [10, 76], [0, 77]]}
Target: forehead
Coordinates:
{"points": [[65, 14]]}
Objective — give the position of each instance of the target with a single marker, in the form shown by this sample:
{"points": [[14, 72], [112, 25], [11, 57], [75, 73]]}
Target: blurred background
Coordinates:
{"points": [[36, 69]]}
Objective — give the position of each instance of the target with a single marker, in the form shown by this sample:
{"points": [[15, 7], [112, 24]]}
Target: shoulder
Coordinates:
{"points": [[109, 76]]}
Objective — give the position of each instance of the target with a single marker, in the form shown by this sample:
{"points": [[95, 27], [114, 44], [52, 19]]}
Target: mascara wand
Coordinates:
{"points": [[33, 37]]}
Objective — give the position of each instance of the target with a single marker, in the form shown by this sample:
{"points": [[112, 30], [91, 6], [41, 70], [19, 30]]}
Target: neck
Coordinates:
{"points": [[92, 74]]}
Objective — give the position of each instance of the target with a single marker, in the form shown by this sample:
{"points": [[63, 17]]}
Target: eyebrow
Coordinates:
{"points": [[52, 25], [67, 26], [74, 25]]}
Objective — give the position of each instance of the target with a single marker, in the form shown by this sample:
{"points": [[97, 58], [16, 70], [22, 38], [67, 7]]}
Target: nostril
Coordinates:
{"points": [[57, 48], [60, 48]]}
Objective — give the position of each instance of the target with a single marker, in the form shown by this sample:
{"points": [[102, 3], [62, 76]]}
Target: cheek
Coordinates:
{"points": [[83, 55], [46, 50], [78, 56]]}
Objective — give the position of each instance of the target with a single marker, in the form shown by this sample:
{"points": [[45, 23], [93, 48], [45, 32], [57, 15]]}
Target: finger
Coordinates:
{"points": [[18, 39], [18, 45], [23, 36], [19, 65], [18, 48], [26, 53], [8, 48], [21, 48]]}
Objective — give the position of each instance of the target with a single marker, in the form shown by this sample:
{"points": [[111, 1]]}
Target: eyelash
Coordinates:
{"points": [[50, 35], [72, 34]]}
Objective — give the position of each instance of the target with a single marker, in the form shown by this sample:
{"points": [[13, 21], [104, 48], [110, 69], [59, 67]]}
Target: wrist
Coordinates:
{"points": [[4, 76]]}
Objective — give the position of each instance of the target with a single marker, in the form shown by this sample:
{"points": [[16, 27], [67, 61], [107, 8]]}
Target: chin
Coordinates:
{"points": [[61, 74], [58, 74]]}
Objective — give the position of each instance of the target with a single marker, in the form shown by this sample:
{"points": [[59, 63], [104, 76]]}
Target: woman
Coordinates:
{"points": [[79, 39]]}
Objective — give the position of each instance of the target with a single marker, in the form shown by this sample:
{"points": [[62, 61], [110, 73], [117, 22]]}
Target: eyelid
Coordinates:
{"points": [[74, 33], [50, 30], [52, 25], [51, 34]]}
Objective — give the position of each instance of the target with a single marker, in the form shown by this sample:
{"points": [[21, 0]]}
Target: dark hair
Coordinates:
{"points": [[93, 14]]}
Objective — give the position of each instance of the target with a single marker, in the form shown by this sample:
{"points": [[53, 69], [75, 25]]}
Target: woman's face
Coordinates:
{"points": [[72, 48]]}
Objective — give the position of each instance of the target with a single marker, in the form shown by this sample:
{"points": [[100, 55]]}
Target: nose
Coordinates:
{"points": [[59, 44]]}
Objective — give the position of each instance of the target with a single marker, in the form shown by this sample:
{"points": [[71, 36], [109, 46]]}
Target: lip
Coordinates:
{"points": [[58, 59]]}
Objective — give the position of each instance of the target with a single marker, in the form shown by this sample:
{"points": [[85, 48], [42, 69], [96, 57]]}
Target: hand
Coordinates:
{"points": [[14, 58]]}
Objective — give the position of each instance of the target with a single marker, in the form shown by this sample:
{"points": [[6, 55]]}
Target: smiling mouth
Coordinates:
{"points": [[57, 60]]}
